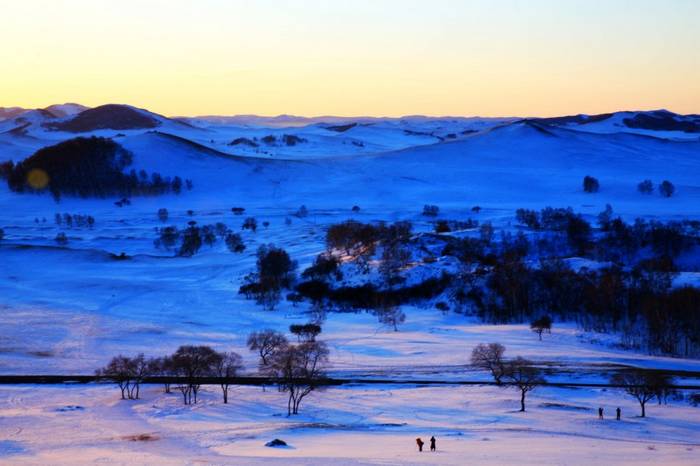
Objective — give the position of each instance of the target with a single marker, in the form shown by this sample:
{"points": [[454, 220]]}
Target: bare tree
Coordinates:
{"points": [[642, 385], [162, 367], [128, 373], [390, 315], [119, 370], [520, 373], [490, 357], [139, 369], [299, 369], [191, 363], [226, 368], [266, 342], [395, 257]]}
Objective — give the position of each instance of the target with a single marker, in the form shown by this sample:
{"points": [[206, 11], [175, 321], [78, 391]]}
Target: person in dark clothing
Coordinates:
{"points": [[618, 411], [600, 413], [432, 443], [420, 443]]}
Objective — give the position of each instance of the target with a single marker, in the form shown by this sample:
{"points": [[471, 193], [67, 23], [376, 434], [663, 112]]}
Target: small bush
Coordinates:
{"points": [[430, 210], [590, 184], [645, 187], [302, 212], [250, 224], [61, 238], [234, 242], [666, 188], [442, 226]]}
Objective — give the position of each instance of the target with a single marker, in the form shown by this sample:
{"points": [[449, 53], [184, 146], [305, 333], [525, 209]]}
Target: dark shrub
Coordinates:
{"points": [[590, 184], [666, 188]]}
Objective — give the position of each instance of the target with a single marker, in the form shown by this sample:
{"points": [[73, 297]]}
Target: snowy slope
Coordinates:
{"points": [[69, 308], [657, 123]]}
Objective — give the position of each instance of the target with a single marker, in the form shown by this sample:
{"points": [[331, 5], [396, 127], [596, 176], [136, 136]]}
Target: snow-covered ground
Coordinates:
{"points": [[69, 308], [354, 425]]}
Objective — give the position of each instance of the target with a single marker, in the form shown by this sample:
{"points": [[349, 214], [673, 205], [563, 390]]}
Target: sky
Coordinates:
{"points": [[358, 57]]}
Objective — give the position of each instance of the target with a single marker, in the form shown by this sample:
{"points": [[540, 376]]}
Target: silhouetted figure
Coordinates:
{"points": [[600, 413], [432, 443], [420, 443], [618, 411]]}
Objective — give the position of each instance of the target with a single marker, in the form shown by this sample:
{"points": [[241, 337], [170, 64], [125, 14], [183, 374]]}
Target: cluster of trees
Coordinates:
{"points": [[287, 139], [359, 240], [86, 167], [639, 304], [297, 369], [188, 241], [275, 271], [74, 220], [519, 279], [666, 188], [189, 364]]}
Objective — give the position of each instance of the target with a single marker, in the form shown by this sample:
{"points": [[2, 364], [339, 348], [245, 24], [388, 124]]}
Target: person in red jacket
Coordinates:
{"points": [[420, 443]]}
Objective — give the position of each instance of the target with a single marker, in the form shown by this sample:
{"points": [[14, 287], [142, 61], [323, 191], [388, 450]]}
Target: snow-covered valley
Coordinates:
{"points": [[68, 306]]}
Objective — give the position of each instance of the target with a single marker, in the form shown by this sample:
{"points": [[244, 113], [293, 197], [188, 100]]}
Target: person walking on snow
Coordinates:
{"points": [[432, 443], [420, 443], [618, 411], [600, 413]]}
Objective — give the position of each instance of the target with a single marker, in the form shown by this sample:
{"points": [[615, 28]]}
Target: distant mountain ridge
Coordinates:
{"points": [[79, 118]]}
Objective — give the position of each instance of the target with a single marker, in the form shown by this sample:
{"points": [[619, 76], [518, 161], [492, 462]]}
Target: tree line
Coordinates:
{"points": [[296, 368]]}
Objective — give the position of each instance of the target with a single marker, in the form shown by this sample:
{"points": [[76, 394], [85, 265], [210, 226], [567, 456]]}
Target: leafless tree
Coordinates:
{"points": [[520, 373], [162, 367], [128, 373], [490, 357], [642, 385], [192, 362], [299, 369], [119, 370], [265, 343], [139, 369], [227, 367], [390, 315]]}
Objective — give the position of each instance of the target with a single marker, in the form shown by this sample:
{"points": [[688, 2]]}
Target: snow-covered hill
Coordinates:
{"points": [[67, 307], [657, 123]]}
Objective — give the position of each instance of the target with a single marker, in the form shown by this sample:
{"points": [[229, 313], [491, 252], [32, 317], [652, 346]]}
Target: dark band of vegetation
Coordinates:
{"points": [[329, 381]]}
